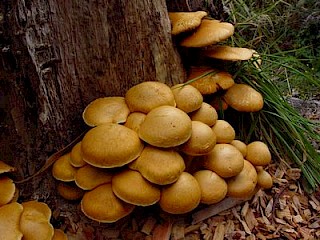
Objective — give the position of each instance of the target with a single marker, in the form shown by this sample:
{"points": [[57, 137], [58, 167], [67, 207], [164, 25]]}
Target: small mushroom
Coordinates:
{"points": [[146, 96], [202, 140], [185, 21], [209, 80], [10, 221], [159, 166], [213, 187], [225, 160], [89, 177], [76, 159], [229, 53], [131, 187], [206, 114], [101, 205], [241, 146], [62, 169], [243, 98], [258, 153], [35, 221], [264, 178], [134, 120], [7, 190], [106, 110], [187, 97], [69, 191], [166, 126], [224, 132], [243, 184], [110, 145], [182, 196], [209, 32]]}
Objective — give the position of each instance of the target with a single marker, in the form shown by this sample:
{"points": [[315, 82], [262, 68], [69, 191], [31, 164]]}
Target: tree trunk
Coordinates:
{"points": [[57, 56]]}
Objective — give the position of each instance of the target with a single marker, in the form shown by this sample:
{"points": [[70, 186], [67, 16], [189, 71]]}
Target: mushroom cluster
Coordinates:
{"points": [[28, 220], [167, 148]]}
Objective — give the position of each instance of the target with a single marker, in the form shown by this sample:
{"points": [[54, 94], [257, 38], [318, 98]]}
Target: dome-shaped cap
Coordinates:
{"points": [[258, 153], [166, 126], [185, 21], [146, 96], [106, 110], [110, 145], [182, 196], [187, 97], [206, 114], [131, 187], [101, 205], [159, 166]]}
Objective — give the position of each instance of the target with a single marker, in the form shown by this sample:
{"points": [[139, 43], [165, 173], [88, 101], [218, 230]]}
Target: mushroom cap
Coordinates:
{"points": [[224, 132], [241, 146], [59, 235], [89, 177], [243, 184], [101, 205], [206, 114], [202, 140], [264, 179], [69, 191], [62, 169], [134, 120], [146, 96], [5, 167], [110, 145], [181, 196], [229, 53], [243, 98], [225, 160], [210, 80], [131, 187], [35, 221], [166, 126], [76, 159], [187, 97], [213, 187], [185, 21], [106, 110], [159, 166], [7, 190], [10, 221], [258, 153], [209, 32]]}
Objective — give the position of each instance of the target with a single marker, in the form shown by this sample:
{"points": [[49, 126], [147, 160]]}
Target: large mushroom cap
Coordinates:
{"points": [[209, 80], [243, 98], [213, 187], [110, 145], [185, 21], [131, 187], [146, 96], [89, 177], [106, 110], [187, 97], [7, 190], [62, 169], [101, 205], [229, 53], [182, 196], [243, 184], [159, 166], [225, 159], [258, 153], [10, 221], [202, 140], [206, 114], [35, 221], [166, 126], [209, 32]]}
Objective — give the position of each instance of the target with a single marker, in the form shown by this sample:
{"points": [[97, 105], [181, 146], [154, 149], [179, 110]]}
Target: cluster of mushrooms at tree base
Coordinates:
{"points": [[158, 144]]}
